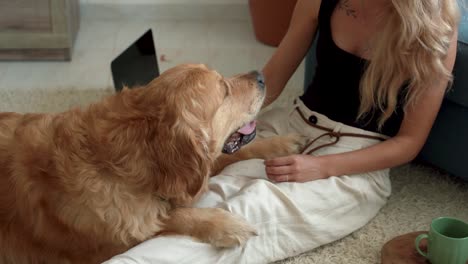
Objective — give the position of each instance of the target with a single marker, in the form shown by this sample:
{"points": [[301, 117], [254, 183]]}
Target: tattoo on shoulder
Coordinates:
{"points": [[344, 5]]}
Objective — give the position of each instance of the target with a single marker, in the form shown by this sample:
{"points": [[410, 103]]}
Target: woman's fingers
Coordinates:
{"points": [[280, 169], [277, 170], [281, 178], [282, 161]]}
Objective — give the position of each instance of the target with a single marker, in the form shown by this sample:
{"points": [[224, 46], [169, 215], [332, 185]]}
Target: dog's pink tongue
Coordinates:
{"points": [[247, 129]]}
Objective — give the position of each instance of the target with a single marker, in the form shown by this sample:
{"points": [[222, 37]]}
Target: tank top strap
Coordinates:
{"points": [[326, 11]]}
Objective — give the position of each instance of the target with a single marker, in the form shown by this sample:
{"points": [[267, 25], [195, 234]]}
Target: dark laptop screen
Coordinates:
{"points": [[137, 65]]}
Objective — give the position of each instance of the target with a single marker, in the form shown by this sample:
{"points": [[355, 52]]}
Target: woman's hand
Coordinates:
{"points": [[296, 168]]}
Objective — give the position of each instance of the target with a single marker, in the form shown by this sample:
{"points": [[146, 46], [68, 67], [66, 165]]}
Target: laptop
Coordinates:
{"points": [[136, 65]]}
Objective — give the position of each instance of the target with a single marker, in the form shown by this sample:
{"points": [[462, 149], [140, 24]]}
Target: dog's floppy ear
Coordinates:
{"points": [[183, 102], [186, 162]]}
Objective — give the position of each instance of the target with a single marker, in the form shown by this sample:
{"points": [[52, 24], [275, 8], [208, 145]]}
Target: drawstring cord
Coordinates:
{"points": [[329, 132]]}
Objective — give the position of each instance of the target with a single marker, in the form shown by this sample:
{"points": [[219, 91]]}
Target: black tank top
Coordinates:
{"points": [[334, 90]]}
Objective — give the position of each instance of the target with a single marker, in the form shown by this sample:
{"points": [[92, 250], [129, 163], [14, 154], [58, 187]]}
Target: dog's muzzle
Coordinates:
{"points": [[241, 137]]}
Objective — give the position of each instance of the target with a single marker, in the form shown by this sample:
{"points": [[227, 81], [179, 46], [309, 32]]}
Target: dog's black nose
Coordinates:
{"points": [[260, 79]]}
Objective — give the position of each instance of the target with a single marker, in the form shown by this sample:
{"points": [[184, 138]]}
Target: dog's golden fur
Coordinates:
{"points": [[83, 185]]}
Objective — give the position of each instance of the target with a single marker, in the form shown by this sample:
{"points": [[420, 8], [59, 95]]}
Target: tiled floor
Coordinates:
{"points": [[227, 45]]}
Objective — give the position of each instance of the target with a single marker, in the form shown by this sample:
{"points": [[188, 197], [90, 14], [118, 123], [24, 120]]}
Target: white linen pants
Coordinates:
{"points": [[290, 218]]}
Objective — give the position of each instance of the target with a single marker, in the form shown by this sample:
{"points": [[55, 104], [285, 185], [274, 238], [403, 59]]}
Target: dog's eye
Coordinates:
{"points": [[227, 88]]}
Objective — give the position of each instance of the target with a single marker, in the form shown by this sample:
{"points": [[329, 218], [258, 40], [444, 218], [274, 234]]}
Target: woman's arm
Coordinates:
{"points": [[395, 151], [292, 48]]}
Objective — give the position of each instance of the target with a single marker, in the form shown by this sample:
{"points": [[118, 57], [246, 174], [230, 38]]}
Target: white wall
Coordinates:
{"points": [[166, 9], [165, 1]]}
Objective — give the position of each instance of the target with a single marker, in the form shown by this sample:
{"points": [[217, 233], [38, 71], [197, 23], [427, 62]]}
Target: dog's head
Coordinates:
{"points": [[201, 114], [219, 112]]}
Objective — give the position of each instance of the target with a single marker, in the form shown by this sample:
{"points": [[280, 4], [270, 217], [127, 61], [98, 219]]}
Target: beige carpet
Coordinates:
{"points": [[420, 193]]}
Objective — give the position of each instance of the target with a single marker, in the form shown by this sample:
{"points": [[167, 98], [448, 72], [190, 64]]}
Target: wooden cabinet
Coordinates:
{"points": [[38, 29]]}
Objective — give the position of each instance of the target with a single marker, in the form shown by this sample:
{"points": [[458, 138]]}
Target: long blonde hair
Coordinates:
{"points": [[409, 50]]}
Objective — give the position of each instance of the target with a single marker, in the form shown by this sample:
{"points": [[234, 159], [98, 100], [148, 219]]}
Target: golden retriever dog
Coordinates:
{"points": [[84, 185]]}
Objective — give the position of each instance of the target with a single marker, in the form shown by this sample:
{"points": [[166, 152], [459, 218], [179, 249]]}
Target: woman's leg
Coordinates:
{"points": [[290, 218]]}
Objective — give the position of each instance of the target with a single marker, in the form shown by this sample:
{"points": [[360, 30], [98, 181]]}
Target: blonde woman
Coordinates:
{"points": [[383, 66], [383, 69]]}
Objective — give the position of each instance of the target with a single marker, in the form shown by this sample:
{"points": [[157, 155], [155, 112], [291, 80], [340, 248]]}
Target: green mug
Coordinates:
{"points": [[447, 241]]}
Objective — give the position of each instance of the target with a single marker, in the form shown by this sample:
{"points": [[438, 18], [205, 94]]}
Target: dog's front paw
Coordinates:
{"points": [[227, 230], [294, 143]]}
